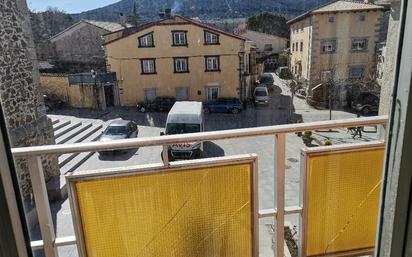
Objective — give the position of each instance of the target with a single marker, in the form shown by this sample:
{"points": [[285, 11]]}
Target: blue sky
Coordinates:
{"points": [[70, 6]]}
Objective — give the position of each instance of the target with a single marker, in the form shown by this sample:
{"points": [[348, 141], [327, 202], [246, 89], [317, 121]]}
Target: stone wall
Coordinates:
{"points": [[389, 61], [76, 96], [19, 80]]}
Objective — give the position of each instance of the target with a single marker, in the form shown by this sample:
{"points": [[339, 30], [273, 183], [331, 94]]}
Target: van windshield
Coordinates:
{"points": [[182, 128], [260, 93]]}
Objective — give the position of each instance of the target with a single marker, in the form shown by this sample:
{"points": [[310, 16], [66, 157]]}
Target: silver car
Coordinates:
{"points": [[119, 129], [261, 95]]}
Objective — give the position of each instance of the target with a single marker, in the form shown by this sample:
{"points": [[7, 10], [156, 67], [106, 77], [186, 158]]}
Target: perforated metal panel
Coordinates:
{"points": [[197, 212], [343, 190]]}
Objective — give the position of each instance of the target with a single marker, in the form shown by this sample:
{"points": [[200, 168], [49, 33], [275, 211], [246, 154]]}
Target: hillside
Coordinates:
{"points": [[206, 10]]}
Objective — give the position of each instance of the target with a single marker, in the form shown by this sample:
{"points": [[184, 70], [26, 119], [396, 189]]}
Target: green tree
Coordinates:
{"points": [[136, 20], [269, 23]]}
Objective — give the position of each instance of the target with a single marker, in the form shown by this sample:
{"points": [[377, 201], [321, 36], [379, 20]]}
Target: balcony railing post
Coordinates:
{"points": [[280, 149], [165, 155], [42, 206]]}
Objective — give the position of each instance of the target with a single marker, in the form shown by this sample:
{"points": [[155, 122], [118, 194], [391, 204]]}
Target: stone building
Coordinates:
{"points": [[21, 100], [80, 45], [268, 47], [336, 44]]}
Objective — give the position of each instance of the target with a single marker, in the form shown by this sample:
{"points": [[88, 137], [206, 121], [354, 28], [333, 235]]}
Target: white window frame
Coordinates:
{"points": [[146, 40], [211, 38], [148, 66], [209, 92], [181, 64], [328, 46], [179, 38], [212, 63], [356, 44]]}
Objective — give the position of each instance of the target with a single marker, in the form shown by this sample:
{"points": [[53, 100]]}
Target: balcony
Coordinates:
{"points": [[50, 243]]}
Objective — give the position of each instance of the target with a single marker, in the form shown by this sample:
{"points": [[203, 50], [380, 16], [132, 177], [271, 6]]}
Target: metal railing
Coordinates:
{"points": [[50, 243]]}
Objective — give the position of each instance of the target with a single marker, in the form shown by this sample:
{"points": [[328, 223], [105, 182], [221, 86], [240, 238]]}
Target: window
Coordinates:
{"points": [[212, 63], [148, 66], [268, 47], [149, 94], [179, 38], [328, 46], [293, 47], [361, 17], [331, 19], [212, 93], [301, 46], [182, 93], [146, 40], [325, 75], [211, 38], [359, 44], [181, 65], [356, 72]]}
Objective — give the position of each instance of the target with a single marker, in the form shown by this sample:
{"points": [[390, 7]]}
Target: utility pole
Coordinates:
{"points": [[330, 100]]}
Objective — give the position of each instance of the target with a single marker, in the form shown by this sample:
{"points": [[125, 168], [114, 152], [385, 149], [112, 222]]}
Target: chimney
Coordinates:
{"points": [[168, 13], [122, 20]]}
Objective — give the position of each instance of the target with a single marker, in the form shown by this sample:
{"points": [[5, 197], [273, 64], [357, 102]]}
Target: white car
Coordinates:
{"points": [[261, 95]]}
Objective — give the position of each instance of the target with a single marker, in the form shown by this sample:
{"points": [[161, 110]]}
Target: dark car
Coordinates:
{"points": [[267, 80], [284, 72], [53, 102], [159, 104], [119, 129], [366, 103], [232, 105]]}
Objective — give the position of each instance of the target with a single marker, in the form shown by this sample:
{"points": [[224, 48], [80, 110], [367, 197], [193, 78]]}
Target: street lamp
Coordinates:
{"points": [[95, 90]]}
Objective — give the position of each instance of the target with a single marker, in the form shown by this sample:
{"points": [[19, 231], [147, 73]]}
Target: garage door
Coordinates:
{"points": [[182, 93]]}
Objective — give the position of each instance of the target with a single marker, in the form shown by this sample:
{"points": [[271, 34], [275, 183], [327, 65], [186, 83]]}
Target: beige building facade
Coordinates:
{"points": [[337, 43], [182, 58]]}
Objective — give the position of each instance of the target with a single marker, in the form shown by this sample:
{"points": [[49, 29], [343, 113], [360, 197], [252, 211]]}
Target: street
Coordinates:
{"points": [[277, 112]]}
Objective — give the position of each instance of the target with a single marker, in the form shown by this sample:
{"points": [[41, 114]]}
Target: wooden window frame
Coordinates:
{"points": [[145, 35], [181, 58], [205, 32], [218, 63], [142, 66], [173, 38]]}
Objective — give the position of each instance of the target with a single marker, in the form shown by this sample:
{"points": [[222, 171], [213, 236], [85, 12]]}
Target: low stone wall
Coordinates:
{"points": [[76, 96]]}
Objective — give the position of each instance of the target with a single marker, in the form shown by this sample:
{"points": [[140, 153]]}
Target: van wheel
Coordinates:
{"points": [[235, 111]]}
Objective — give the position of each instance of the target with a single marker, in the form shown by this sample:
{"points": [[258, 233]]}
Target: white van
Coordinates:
{"points": [[185, 117]]}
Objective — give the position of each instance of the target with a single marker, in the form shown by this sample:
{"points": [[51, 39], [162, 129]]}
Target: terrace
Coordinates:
{"points": [[50, 243]]}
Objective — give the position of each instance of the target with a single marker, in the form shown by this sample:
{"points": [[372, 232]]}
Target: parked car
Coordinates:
{"points": [[119, 129], [53, 102], [261, 95], [232, 105], [159, 104], [267, 80], [366, 103], [284, 72]]}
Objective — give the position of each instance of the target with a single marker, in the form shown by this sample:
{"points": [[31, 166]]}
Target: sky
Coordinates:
{"points": [[69, 6]]}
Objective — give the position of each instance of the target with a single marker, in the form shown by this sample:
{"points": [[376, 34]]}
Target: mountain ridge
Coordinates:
{"points": [[206, 10]]}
